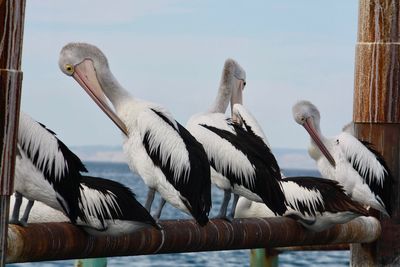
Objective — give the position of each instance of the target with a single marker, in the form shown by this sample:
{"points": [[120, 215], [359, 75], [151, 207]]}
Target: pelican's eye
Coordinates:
{"points": [[69, 69], [244, 84]]}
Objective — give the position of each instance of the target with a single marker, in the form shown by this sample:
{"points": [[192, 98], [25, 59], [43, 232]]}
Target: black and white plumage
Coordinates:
{"points": [[316, 203], [108, 207], [158, 148], [239, 163], [354, 163], [47, 171], [40, 212]]}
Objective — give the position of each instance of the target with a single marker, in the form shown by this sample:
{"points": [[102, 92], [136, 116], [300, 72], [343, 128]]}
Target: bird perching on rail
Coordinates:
{"points": [[158, 148], [355, 164], [240, 163], [316, 203], [47, 171]]}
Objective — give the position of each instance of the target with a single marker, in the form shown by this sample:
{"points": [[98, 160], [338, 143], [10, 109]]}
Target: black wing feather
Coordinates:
{"points": [[333, 195], [196, 190], [129, 208], [267, 181], [67, 186], [385, 191]]}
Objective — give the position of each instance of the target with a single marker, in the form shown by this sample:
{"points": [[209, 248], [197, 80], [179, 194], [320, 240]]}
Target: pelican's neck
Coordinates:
{"points": [[225, 90], [112, 88]]}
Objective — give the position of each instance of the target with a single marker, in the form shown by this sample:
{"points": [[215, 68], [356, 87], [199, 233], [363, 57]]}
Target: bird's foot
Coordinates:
{"points": [[156, 218], [229, 218], [18, 222], [296, 217], [13, 221], [23, 223], [224, 217], [158, 225]]}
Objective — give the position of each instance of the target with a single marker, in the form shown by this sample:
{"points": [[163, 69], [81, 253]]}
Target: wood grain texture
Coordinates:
{"points": [[9, 110], [11, 23], [386, 250], [377, 68], [12, 13], [377, 114]]}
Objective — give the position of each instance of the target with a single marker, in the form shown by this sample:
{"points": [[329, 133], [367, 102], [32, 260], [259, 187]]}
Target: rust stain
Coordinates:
{"points": [[51, 241]]}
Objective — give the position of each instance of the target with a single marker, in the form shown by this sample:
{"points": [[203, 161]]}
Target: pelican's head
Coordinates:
{"points": [[304, 111], [233, 71], [238, 72], [235, 76], [86, 64], [74, 54], [307, 115]]}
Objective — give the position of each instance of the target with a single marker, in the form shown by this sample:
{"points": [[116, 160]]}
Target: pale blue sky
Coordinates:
{"points": [[172, 52]]}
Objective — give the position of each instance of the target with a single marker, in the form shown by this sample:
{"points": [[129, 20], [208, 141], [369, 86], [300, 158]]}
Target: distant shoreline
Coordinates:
{"points": [[287, 158]]}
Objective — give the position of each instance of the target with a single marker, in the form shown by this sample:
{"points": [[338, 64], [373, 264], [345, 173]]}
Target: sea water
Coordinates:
{"points": [[121, 173]]}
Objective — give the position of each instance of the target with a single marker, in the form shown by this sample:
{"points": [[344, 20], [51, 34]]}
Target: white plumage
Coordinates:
{"points": [[94, 202], [35, 140], [353, 163], [47, 171], [297, 195], [236, 164], [158, 148], [225, 156], [40, 213], [163, 137], [248, 121], [314, 202], [250, 209], [41, 168]]}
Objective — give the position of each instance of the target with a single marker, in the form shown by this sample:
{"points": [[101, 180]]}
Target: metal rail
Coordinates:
{"points": [[56, 241]]}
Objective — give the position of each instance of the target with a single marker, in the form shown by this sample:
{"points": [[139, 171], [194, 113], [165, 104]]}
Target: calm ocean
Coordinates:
{"points": [[121, 173]]}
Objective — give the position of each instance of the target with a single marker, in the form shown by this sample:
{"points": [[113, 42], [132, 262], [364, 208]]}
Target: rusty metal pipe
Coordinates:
{"points": [[316, 248], [51, 241]]}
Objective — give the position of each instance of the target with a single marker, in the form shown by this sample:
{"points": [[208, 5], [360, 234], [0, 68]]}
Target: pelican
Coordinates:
{"points": [[47, 171], [158, 148], [316, 203], [239, 163], [355, 164]]}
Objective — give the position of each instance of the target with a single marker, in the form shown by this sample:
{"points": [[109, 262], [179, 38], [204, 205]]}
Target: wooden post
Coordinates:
{"points": [[264, 257], [377, 113], [11, 23]]}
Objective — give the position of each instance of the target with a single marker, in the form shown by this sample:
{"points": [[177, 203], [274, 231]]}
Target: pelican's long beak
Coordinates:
{"points": [[85, 75], [308, 125], [237, 98]]}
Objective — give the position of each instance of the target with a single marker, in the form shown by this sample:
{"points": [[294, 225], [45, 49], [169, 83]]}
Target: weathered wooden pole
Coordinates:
{"points": [[377, 113], [264, 257], [12, 13]]}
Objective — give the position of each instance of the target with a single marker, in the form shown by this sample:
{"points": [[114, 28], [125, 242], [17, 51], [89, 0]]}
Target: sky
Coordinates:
{"points": [[172, 52]]}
